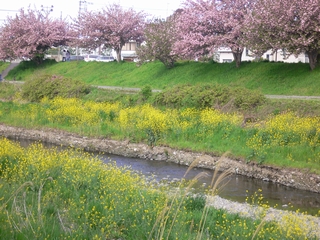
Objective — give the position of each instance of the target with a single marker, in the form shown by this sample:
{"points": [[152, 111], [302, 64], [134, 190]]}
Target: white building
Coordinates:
{"points": [[128, 51], [225, 55]]}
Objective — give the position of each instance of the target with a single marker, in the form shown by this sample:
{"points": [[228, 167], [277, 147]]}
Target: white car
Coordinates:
{"points": [[90, 57], [105, 59]]}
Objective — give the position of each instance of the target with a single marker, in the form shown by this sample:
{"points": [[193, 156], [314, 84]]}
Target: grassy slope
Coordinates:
{"points": [[3, 66], [270, 78]]}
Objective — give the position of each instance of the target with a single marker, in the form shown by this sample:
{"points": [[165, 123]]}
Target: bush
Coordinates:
{"points": [[146, 92], [8, 90], [53, 86], [245, 99], [209, 95]]}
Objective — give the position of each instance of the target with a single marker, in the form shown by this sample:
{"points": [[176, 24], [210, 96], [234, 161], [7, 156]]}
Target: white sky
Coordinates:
{"points": [[156, 8]]}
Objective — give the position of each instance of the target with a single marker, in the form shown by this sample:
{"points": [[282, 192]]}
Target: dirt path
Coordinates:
{"points": [[293, 97], [128, 90]]}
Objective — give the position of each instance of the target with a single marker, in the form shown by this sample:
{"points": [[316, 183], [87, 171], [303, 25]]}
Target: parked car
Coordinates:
{"points": [[76, 58], [105, 59], [90, 57]]}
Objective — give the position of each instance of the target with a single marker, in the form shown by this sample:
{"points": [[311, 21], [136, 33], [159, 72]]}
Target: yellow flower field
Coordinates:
{"points": [[70, 194], [283, 139]]}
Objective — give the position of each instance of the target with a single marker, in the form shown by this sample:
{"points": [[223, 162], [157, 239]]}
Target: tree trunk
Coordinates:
{"points": [[237, 57], [118, 51], [313, 54]]}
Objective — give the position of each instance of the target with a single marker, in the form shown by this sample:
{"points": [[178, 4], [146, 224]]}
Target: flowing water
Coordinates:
{"points": [[238, 188]]}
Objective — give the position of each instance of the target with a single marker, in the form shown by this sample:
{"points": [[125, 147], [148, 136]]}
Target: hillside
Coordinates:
{"points": [[3, 66], [268, 77]]}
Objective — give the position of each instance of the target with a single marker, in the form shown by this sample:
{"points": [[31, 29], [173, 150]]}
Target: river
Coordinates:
{"points": [[238, 188]]}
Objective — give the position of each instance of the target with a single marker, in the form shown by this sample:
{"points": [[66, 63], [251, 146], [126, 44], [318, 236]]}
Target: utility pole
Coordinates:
{"points": [[47, 9], [83, 6]]}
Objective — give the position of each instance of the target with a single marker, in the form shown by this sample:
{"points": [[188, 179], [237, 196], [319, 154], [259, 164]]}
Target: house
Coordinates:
{"points": [[128, 51], [224, 54]]}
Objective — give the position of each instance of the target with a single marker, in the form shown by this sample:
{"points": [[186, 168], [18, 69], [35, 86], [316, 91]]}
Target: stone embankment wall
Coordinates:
{"points": [[289, 177]]}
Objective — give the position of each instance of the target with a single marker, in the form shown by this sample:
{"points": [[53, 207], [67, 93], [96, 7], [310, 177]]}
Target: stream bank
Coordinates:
{"points": [[295, 178]]}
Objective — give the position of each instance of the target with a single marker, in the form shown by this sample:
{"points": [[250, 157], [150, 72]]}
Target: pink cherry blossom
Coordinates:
{"points": [[29, 34], [206, 25], [160, 36], [110, 28], [293, 25]]}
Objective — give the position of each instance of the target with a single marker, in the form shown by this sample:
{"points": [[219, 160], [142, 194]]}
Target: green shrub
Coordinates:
{"points": [[245, 99], [53, 86], [146, 92], [209, 95], [8, 90]]}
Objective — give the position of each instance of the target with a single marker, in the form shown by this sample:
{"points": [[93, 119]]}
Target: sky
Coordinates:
{"points": [[66, 8]]}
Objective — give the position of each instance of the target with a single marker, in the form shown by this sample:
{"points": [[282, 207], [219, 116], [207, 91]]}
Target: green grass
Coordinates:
{"points": [[70, 194], [282, 148], [3, 66], [128, 74], [77, 201], [268, 77], [8, 91]]}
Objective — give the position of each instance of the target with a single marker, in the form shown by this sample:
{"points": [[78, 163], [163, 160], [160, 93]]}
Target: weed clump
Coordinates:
{"points": [[51, 86], [210, 96]]}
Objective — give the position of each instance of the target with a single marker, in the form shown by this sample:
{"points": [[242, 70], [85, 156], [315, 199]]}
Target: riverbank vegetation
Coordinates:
{"points": [[229, 118], [206, 118], [50, 194], [267, 77], [282, 139]]}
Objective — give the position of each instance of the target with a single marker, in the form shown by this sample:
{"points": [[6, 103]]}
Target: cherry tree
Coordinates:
{"points": [[196, 29], [160, 36], [231, 16], [111, 28], [89, 31], [206, 25], [30, 34], [292, 25]]}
